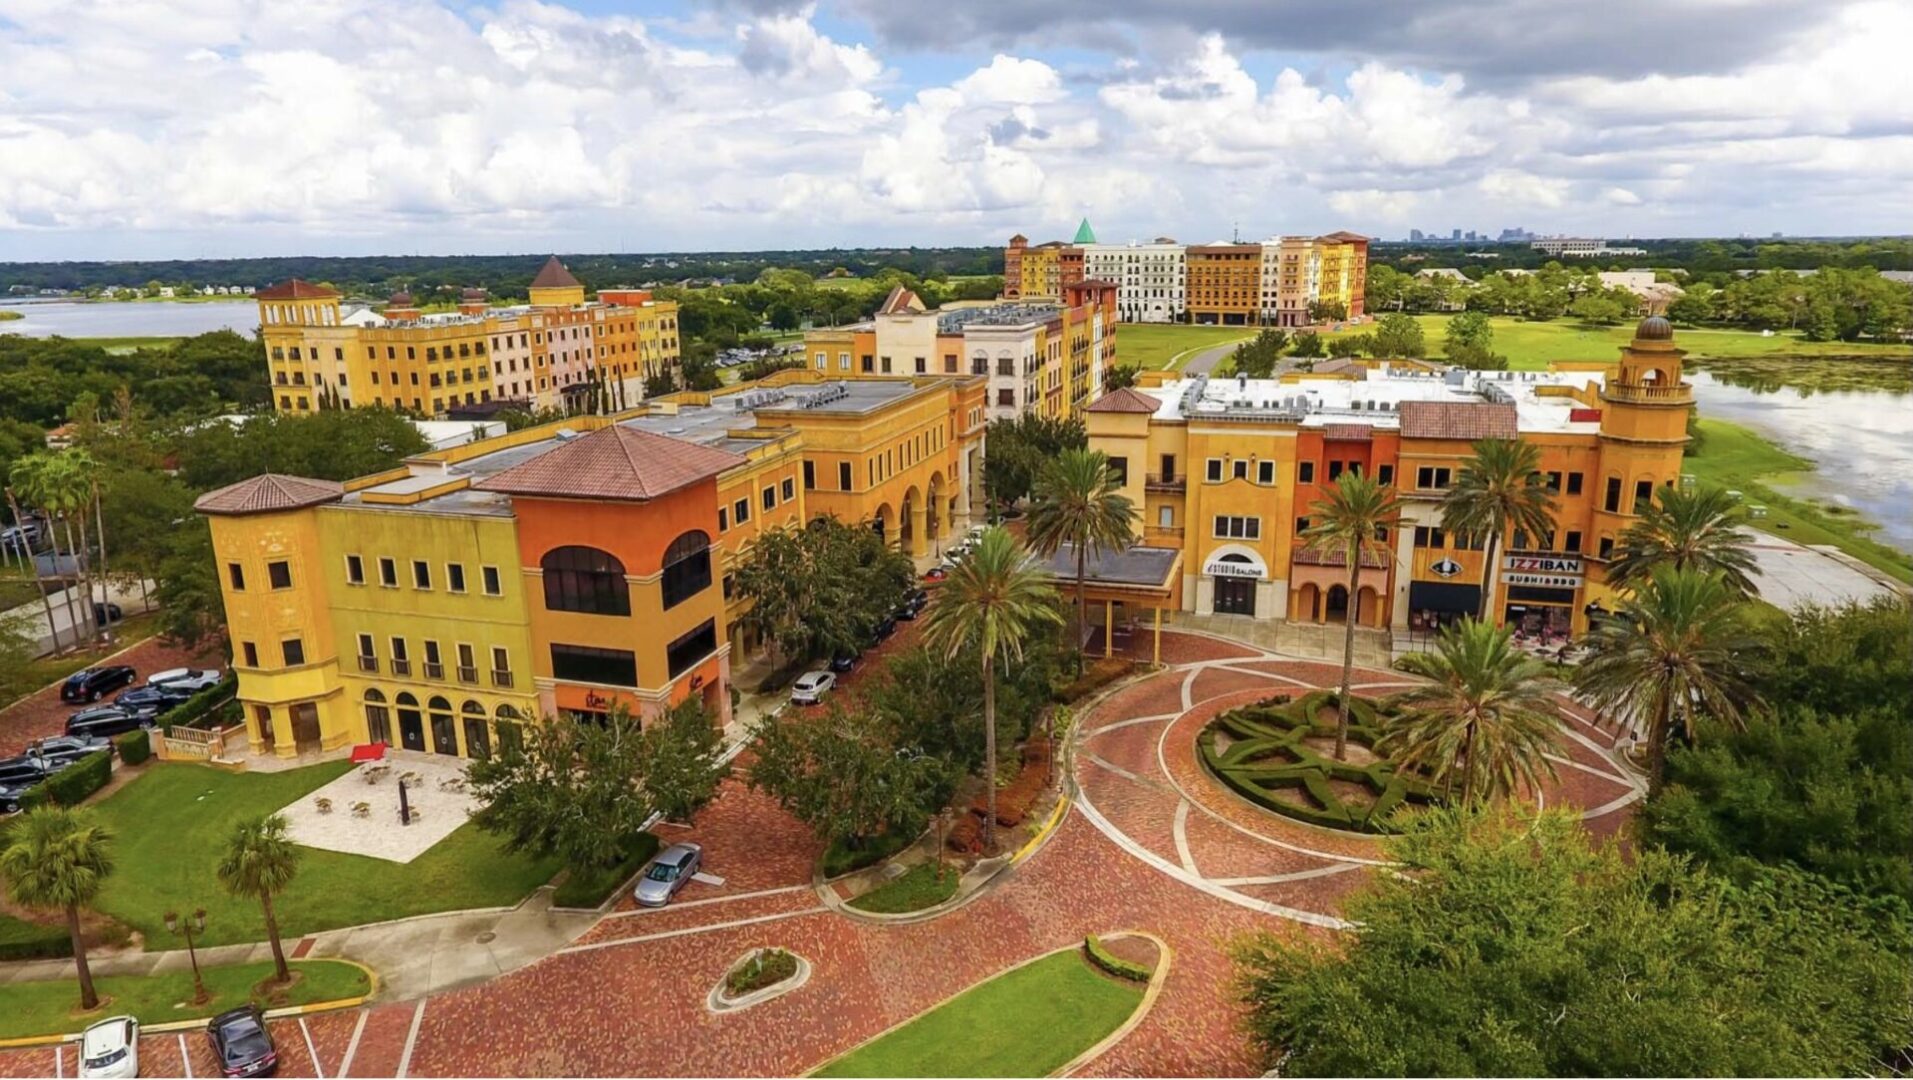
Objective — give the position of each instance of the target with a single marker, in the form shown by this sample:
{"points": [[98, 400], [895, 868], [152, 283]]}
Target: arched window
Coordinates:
{"points": [[472, 708], [407, 700], [585, 580], [439, 704], [378, 722], [687, 567], [506, 712], [374, 695]]}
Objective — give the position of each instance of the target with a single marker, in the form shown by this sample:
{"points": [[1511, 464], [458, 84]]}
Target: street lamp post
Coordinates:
{"points": [[190, 926]]}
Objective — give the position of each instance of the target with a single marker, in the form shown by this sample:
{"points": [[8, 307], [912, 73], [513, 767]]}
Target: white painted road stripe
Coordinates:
{"points": [[352, 1047], [660, 936], [1296, 875], [1093, 732], [411, 1037], [59, 1061], [318, 1070], [1182, 837], [185, 1059], [681, 905]]}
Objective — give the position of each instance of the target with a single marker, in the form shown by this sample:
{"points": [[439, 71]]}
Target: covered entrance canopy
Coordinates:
{"points": [[1123, 584]]}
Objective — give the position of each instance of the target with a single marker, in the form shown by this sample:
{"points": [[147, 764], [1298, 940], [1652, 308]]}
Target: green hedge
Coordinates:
{"points": [[22, 940], [590, 887], [210, 702], [134, 746], [840, 858], [71, 785], [1113, 964]]}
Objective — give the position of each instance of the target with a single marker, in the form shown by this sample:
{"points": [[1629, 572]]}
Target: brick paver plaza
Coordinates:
{"points": [[1151, 843]]}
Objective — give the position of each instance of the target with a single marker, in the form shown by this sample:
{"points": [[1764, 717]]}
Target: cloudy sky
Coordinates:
{"points": [[154, 128]]}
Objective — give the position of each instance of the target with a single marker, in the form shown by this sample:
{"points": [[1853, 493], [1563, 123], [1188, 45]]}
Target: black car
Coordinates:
{"points": [[913, 604], [10, 794], [242, 1044], [884, 628], [151, 699], [92, 684], [106, 722], [22, 771], [843, 662], [106, 613]]}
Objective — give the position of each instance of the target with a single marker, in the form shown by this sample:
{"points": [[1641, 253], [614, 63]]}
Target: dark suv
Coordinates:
{"points": [[106, 722], [241, 1043], [92, 684]]}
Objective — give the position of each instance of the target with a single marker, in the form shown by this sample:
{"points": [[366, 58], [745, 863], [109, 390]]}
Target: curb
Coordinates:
{"points": [[195, 1024], [1157, 978]]}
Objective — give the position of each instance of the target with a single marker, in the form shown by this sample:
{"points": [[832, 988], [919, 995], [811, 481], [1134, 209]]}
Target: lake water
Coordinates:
{"points": [[1861, 442], [45, 318]]}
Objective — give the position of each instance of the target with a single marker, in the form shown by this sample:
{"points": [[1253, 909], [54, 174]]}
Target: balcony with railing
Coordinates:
{"points": [[468, 675], [369, 664], [434, 670], [1648, 393], [501, 679], [1162, 534], [401, 666], [1165, 482]]}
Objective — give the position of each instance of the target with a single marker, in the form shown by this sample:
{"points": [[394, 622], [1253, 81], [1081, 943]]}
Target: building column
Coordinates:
{"points": [[1155, 647], [919, 528], [1109, 628]]}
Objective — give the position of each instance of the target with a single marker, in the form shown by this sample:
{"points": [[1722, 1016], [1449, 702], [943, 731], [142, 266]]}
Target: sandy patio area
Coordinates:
{"points": [[437, 809]]}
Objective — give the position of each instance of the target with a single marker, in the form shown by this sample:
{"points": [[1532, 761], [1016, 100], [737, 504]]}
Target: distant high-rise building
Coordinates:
{"points": [[1456, 235]]}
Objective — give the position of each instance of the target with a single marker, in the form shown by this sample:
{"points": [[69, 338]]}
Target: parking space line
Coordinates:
{"points": [[352, 1046], [59, 1061], [185, 1059], [318, 1070], [411, 1038]]}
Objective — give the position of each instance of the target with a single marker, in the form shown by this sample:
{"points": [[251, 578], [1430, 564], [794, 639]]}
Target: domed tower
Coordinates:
{"points": [[1644, 409]]}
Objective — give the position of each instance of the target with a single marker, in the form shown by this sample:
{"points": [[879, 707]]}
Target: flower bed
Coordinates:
{"points": [[1279, 754], [762, 974]]}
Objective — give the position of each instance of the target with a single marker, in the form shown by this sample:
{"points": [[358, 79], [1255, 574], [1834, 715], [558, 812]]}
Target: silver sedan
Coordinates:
{"points": [[667, 874]]}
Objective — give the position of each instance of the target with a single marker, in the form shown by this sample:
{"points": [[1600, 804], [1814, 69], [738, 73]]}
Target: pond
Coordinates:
{"points": [[45, 318], [1854, 418]]}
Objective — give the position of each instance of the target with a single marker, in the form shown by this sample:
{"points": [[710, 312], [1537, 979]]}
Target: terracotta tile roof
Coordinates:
{"points": [[617, 462], [295, 289], [1337, 367], [1458, 420], [1348, 432], [1125, 400], [1347, 237], [268, 493], [899, 301], [554, 276]]}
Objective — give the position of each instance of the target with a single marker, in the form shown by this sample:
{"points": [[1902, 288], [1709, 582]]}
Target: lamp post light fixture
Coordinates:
{"points": [[196, 924]]}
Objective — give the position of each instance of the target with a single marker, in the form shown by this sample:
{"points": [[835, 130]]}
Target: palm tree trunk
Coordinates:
{"points": [[272, 933], [1082, 604], [989, 754], [84, 565], [1488, 575], [39, 585], [1348, 648], [1468, 767], [1657, 745], [99, 517], [66, 524], [89, 999]]}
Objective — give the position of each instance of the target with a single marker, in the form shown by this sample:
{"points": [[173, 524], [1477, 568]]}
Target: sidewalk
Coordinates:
{"points": [[34, 614], [1305, 640], [414, 957]]}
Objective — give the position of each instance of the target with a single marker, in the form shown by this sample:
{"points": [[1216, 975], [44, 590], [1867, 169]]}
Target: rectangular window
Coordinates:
{"points": [[1643, 495], [584, 663], [368, 654], [1305, 472], [788, 489], [1169, 466], [421, 573], [388, 573], [1431, 478], [1241, 470], [1265, 472], [280, 573], [236, 574], [501, 666], [1573, 543], [1613, 500], [1554, 481], [685, 653], [354, 570], [1385, 475], [492, 584], [686, 577], [1607, 546], [1238, 528], [843, 476], [251, 653], [1006, 397], [810, 476], [1430, 537], [1334, 470], [434, 663], [1574, 483], [455, 576], [467, 664], [1119, 470], [295, 651], [1214, 473], [723, 519], [1301, 525], [741, 511], [769, 496]]}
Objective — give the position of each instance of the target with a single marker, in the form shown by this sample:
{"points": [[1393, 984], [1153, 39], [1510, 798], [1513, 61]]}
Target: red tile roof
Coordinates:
{"points": [[1125, 400], [1458, 420], [1348, 432], [295, 290], [268, 493], [617, 462], [900, 301], [554, 276]]}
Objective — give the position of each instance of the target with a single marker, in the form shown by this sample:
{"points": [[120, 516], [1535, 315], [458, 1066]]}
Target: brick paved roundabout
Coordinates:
{"points": [[1151, 844]]}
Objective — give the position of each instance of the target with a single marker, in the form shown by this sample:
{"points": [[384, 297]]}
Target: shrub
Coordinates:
{"points": [[71, 785], [840, 858], [209, 703], [1113, 964], [134, 747], [1095, 676], [766, 968], [22, 940], [591, 886]]}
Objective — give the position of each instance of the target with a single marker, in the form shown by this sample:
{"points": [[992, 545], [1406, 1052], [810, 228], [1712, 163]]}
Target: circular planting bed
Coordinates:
{"points": [[757, 977], [1280, 755]]}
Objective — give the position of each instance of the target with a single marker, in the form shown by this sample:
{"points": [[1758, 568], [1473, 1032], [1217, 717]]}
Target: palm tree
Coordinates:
{"points": [[56, 858], [1500, 488], [993, 601], [1491, 709], [1695, 529], [260, 861], [1079, 502], [1679, 648], [1350, 520], [13, 503]]}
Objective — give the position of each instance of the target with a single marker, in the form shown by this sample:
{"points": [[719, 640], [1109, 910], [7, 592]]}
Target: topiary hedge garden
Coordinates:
{"points": [[1280, 755]]}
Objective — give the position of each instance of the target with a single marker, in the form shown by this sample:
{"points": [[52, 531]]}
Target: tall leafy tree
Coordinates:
{"points": [[681, 751], [1490, 709], [56, 859], [1079, 503], [1500, 489], [1697, 529], [1349, 521], [1679, 650], [260, 861], [994, 602], [845, 774], [1399, 335]]}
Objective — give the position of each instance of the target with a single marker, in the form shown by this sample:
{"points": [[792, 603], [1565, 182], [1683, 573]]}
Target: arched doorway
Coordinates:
{"points": [[411, 723], [933, 502], [1337, 604], [1235, 593], [1368, 606], [444, 735], [478, 743], [1307, 599], [881, 523], [378, 721]]}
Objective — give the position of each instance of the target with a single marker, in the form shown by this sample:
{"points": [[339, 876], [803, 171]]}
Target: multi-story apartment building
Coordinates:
{"points": [[1042, 271], [1301, 271], [559, 350], [1225, 283], [570, 567], [1224, 471], [1151, 278], [1046, 358]]}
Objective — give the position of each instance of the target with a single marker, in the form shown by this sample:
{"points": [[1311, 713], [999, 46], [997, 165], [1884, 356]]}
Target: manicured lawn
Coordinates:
{"points": [[23, 940], [1736, 457], [173, 823], [913, 890], [1162, 345], [129, 344], [1027, 1022], [1531, 346], [50, 1007]]}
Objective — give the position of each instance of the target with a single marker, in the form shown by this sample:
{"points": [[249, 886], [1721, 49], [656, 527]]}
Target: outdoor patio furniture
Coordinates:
{"points": [[361, 809], [322, 804]]}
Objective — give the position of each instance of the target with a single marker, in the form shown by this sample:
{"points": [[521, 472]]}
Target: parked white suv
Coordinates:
{"points": [[811, 687], [110, 1048], [185, 679]]}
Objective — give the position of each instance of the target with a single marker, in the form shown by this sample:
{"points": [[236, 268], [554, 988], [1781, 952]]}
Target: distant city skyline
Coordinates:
{"points": [[242, 129]]}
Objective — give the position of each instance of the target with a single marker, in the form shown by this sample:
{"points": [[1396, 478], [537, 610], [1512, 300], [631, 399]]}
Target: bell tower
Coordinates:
{"points": [[1644, 409]]}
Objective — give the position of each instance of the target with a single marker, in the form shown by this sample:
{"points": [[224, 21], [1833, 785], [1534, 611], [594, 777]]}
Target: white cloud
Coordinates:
{"points": [[1013, 81]]}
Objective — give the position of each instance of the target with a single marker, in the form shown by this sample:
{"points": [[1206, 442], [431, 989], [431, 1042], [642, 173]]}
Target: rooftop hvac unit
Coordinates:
{"points": [[564, 434]]}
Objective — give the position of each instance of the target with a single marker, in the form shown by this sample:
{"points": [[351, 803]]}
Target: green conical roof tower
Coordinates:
{"points": [[1084, 234]]}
